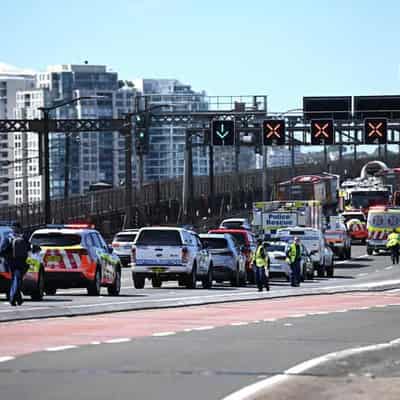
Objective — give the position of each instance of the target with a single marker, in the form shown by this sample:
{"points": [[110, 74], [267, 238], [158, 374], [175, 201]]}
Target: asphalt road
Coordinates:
{"points": [[196, 364], [361, 273], [203, 352]]}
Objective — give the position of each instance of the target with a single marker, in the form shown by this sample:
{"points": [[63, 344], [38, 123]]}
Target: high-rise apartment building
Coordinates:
{"points": [[94, 156], [167, 142], [11, 81]]}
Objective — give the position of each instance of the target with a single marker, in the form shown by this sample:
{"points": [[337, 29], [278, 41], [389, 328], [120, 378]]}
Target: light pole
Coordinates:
{"points": [[45, 130]]}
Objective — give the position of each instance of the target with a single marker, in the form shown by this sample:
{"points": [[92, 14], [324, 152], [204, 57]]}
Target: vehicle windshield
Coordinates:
{"points": [[233, 225], [159, 237], [125, 238], [366, 199], [276, 247], [215, 243], [55, 239], [240, 238]]}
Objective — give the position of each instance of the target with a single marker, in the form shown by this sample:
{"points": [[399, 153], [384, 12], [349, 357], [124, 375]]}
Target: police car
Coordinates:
{"points": [[76, 256], [33, 281]]}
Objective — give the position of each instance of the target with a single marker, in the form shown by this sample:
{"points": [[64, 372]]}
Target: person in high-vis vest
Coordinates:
{"points": [[393, 244], [294, 255], [260, 265]]}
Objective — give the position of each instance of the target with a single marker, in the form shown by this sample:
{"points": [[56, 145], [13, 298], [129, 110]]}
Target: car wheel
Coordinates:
{"points": [[37, 295], [156, 282], [138, 282], [235, 278], [207, 282], [94, 287], [369, 251], [320, 270], [348, 253], [115, 288], [330, 271], [192, 278], [50, 291]]}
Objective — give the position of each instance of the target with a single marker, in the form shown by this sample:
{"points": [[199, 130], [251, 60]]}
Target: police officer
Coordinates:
{"points": [[294, 255], [393, 245], [15, 250], [260, 264]]}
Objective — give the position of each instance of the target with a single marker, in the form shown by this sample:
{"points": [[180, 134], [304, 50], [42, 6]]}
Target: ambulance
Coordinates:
{"points": [[76, 256], [33, 281], [381, 221]]}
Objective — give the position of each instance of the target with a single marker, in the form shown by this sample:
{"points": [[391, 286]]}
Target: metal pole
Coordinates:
{"points": [[128, 176], [325, 157], [66, 165], [190, 181], [46, 167], [264, 173], [211, 174], [185, 185]]}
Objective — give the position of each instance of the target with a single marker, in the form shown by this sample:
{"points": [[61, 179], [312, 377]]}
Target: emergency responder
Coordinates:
{"points": [[260, 265], [294, 255], [393, 244], [15, 250]]}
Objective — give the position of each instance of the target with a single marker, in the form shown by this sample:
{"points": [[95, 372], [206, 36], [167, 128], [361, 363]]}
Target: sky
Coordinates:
{"points": [[283, 49]]}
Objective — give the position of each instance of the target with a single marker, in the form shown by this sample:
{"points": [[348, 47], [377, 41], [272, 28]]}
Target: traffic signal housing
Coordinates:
{"points": [[223, 133], [273, 132], [375, 131], [322, 132], [142, 138]]}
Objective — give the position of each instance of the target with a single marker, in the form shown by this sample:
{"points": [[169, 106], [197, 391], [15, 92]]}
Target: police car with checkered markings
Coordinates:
{"points": [[76, 256]]}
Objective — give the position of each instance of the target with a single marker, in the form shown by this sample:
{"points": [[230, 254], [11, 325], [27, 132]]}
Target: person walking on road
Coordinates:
{"points": [[260, 264], [393, 244], [294, 256], [15, 251]]}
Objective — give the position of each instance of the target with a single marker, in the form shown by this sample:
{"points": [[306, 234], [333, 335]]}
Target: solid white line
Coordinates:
{"points": [[188, 330], [363, 256], [6, 358], [239, 323], [120, 340], [341, 311], [387, 268], [61, 348], [257, 321], [163, 334], [259, 389], [95, 343], [270, 320], [297, 315], [364, 274], [288, 324]]}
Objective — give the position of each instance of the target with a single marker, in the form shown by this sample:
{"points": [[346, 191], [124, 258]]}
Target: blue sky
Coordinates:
{"points": [[285, 49]]}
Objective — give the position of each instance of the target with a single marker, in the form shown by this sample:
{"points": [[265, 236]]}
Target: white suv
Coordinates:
{"points": [[166, 254], [122, 245]]}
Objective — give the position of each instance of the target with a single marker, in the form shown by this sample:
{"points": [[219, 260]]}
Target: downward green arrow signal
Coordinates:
{"points": [[222, 133]]}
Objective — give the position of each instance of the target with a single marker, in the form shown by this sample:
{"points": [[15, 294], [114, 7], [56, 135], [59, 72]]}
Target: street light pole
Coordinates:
{"points": [[66, 165]]}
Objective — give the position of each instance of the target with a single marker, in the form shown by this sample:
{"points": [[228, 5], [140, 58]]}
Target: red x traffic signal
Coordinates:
{"points": [[273, 132], [375, 131], [322, 131]]}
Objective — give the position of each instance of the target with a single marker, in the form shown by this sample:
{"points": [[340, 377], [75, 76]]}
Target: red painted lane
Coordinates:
{"points": [[17, 338]]}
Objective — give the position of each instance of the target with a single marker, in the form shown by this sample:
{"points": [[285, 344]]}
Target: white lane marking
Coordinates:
{"points": [[320, 313], [381, 306], [259, 389], [160, 334], [6, 358], [270, 320], [239, 323], [388, 268], [61, 348], [297, 315], [118, 340], [94, 343], [204, 328], [257, 321], [364, 274], [288, 324], [363, 256], [341, 311], [188, 330], [12, 310], [361, 308]]}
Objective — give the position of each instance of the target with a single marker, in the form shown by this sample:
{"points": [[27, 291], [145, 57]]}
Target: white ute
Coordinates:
{"points": [[168, 253]]}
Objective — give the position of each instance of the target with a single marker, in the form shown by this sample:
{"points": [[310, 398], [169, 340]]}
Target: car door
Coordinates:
{"points": [[102, 258], [202, 255]]}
